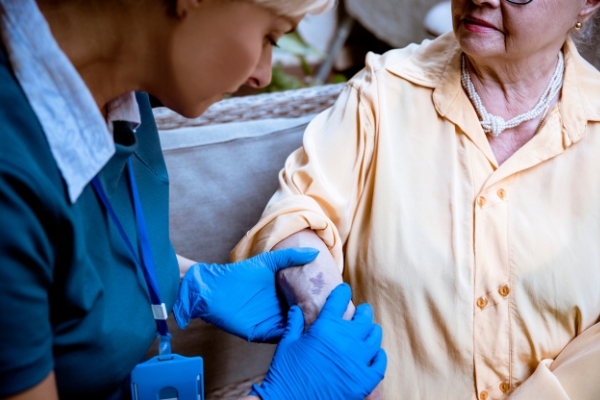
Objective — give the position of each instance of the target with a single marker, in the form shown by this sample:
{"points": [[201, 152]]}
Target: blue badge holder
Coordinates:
{"points": [[168, 377]]}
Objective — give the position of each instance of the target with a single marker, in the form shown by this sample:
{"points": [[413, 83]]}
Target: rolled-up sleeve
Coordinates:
{"points": [[572, 375], [322, 182]]}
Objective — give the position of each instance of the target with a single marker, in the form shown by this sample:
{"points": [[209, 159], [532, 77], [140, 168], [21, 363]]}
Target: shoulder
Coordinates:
{"points": [[20, 131], [27, 239], [421, 64], [400, 75], [29, 177]]}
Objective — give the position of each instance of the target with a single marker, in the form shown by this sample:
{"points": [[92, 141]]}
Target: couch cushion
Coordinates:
{"points": [[221, 178]]}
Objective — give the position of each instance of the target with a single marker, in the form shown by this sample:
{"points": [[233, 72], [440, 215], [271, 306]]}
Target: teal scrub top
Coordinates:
{"points": [[72, 299]]}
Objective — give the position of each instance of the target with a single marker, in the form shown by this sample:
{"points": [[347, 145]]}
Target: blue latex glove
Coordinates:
{"points": [[239, 298], [334, 359]]}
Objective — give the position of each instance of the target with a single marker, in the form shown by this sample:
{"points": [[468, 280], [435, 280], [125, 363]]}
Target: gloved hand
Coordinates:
{"points": [[334, 359], [239, 298]]}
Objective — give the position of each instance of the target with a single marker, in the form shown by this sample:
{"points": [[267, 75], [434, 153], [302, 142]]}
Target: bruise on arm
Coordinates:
{"points": [[317, 284], [309, 286]]}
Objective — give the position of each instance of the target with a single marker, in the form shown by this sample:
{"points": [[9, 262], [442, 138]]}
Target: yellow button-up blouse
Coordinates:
{"points": [[485, 278]]}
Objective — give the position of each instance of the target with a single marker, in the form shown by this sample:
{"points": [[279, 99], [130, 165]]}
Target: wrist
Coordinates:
{"points": [[184, 265], [187, 305]]}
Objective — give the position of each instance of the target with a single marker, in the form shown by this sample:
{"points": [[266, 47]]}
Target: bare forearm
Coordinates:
{"points": [[308, 286]]}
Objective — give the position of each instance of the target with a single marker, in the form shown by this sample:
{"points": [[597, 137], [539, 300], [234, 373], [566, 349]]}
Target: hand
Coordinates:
{"points": [[239, 298], [334, 359]]}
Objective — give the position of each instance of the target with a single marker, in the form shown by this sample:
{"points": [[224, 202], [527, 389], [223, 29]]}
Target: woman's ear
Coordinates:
{"points": [[588, 10], [183, 7]]}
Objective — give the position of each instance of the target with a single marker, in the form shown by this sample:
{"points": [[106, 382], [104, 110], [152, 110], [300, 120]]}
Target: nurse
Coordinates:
{"points": [[79, 148]]}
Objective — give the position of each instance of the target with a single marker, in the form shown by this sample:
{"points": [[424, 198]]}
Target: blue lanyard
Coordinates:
{"points": [[147, 261]]}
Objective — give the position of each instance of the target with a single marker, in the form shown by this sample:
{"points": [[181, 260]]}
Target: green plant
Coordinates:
{"points": [[293, 44]]}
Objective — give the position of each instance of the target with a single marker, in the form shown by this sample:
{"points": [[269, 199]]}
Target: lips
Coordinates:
{"points": [[478, 25]]}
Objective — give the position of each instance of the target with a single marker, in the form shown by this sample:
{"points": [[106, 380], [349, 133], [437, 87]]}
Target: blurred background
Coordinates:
{"points": [[331, 48]]}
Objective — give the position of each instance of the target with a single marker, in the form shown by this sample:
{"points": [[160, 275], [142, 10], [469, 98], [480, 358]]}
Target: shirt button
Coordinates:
{"points": [[502, 193], [504, 290], [505, 387], [482, 302], [481, 201], [483, 395]]}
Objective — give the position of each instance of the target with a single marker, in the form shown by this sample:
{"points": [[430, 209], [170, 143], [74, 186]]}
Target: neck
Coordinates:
{"points": [[512, 87], [101, 39]]}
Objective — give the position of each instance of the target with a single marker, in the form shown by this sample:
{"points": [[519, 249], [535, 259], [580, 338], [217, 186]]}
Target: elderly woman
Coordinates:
{"points": [[456, 184], [87, 272]]}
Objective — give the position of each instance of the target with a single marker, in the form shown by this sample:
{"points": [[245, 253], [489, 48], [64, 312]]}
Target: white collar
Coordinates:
{"points": [[79, 138], [124, 108]]}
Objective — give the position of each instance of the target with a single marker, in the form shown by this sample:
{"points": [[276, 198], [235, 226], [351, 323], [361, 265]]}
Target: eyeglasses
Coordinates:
{"points": [[519, 2]]}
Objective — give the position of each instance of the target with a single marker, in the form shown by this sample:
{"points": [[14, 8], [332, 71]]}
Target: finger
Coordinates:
{"points": [[281, 259], [337, 302], [363, 314], [379, 364], [375, 336], [362, 325], [373, 344], [275, 336], [294, 326], [268, 331]]}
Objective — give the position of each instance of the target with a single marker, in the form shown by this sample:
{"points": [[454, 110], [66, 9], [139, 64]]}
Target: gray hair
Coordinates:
{"points": [[588, 40]]}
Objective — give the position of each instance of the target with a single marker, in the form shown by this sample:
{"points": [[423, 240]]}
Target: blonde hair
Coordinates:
{"points": [[296, 8], [288, 8]]}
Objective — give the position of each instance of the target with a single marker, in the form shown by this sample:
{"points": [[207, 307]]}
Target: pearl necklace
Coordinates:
{"points": [[494, 125]]}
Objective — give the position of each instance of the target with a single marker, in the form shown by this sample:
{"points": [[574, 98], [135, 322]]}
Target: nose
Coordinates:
{"points": [[488, 3], [261, 76]]}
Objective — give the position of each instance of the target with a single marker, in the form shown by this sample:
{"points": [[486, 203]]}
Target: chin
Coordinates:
{"points": [[478, 46], [193, 108]]}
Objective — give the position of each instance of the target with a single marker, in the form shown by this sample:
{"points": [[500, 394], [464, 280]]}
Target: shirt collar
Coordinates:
{"points": [[124, 108], [437, 65], [80, 139]]}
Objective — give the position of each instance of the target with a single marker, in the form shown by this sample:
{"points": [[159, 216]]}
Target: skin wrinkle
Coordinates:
{"points": [[519, 82], [512, 64]]}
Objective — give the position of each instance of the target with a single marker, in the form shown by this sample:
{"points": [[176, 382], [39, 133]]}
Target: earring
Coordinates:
{"points": [[578, 26]]}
